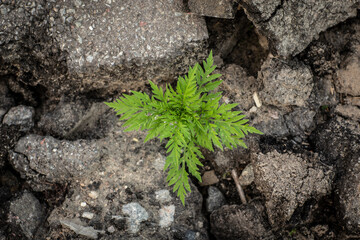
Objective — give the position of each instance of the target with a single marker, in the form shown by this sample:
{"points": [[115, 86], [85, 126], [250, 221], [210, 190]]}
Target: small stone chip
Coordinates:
{"points": [[83, 204], [93, 195], [88, 215], [209, 178]]}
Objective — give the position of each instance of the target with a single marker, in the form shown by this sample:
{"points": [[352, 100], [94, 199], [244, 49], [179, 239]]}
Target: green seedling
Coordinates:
{"points": [[188, 117]]}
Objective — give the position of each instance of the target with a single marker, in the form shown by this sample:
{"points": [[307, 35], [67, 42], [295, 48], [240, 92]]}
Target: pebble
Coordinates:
{"points": [[93, 195], [247, 176], [163, 195], [111, 229], [215, 199], [209, 178], [137, 214], [166, 214], [88, 215]]}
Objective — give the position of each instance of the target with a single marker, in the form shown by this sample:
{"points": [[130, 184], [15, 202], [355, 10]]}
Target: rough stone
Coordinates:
{"points": [[209, 178], [78, 47], [77, 119], [213, 8], [247, 175], [287, 180], [89, 232], [56, 160], [137, 214], [285, 83], [348, 76], [166, 214], [62, 119], [21, 116], [127, 175], [215, 199], [27, 212], [240, 222], [300, 121], [348, 111], [163, 196], [339, 140], [292, 25], [270, 121]]}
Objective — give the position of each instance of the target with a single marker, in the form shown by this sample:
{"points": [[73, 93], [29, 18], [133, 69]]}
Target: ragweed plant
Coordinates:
{"points": [[189, 117]]}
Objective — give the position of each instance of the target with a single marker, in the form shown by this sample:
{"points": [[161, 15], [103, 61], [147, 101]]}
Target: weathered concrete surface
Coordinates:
{"points": [[285, 83], [22, 116], [339, 141], [240, 222], [46, 159], [291, 25], [288, 180], [105, 46], [27, 213], [214, 8], [127, 195]]}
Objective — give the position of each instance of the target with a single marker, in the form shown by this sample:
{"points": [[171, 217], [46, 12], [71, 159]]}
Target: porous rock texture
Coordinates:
{"points": [[288, 180], [46, 159], [285, 83], [127, 195], [214, 8], [102, 46], [240, 222], [339, 141], [27, 213], [291, 25]]}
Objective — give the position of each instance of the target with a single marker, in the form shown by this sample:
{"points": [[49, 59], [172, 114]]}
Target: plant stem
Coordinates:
{"points": [[238, 186]]}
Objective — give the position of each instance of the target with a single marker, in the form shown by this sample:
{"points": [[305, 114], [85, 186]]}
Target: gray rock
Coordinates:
{"points": [[137, 214], [215, 199], [240, 222], [270, 121], [77, 119], [287, 180], [62, 119], [348, 111], [260, 9], [247, 175], [26, 212], [127, 175], [102, 48], [300, 121], [163, 196], [292, 25], [339, 141], [213, 8], [166, 214], [285, 83], [56, 160], [21, 116], [89, 232]]}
